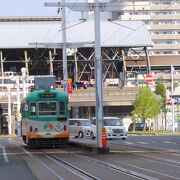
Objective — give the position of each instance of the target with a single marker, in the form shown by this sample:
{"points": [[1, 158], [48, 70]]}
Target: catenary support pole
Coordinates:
{"points": [[26, 62], [2, 67], [98, 75], [172, 93], [51, 63], [65, 76], [9, 111]]}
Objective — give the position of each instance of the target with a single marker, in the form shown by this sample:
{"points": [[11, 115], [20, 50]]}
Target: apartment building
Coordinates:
{"points": [[162, 18]]}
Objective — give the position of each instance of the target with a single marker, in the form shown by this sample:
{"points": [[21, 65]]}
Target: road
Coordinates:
{"points": [[138, 157]]}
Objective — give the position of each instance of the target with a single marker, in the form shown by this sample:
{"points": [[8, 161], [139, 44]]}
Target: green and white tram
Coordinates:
{"points": [[44, 118]]}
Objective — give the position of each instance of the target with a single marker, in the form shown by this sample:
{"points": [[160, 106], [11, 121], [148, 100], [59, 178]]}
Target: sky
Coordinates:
{"points": [[31, 8]]}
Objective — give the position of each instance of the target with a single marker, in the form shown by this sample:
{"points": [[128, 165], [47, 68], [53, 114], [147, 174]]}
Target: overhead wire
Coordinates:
{"points": [[58, 11]]}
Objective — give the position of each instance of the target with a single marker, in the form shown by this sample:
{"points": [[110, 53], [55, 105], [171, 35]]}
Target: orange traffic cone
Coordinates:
{"points": [[104, 140]]}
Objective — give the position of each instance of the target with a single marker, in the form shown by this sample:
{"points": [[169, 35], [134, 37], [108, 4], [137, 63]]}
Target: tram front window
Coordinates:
{"points": [[47, 108]]}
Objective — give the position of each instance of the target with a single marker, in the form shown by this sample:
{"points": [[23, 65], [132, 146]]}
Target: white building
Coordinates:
{"points": [[162, 18]]}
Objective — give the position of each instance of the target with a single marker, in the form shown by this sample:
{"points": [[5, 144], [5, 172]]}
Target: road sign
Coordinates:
{"points": [[169, 101], [70, 88], [149, 78]]}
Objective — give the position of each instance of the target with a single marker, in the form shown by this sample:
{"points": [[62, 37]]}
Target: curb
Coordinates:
{"points": [[93, 149], [8, 136]]}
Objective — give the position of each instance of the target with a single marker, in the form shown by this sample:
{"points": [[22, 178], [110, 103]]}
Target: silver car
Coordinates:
{"points": [[79, 127]]}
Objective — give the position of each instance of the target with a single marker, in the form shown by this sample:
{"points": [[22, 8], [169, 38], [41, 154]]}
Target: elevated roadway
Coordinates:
{"points": [[112, 96]]}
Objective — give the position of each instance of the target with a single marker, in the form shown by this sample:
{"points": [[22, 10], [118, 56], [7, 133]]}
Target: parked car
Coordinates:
{"points": [[137, 127], [79, 127], [114, 128]]}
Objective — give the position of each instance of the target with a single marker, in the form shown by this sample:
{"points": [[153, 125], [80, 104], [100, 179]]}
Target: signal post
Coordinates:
{"points": [[97, 6]]}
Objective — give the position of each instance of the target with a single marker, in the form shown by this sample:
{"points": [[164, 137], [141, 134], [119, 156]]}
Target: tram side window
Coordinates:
{"points": [[62, 108], [33, 109]]}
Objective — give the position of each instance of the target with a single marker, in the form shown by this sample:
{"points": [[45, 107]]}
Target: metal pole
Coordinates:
{"points": [[172, 93], [26, 62], [51, 63], [18, 109], [64, 48], [2, 67], [75, 69], [9, 111], [23, 70], [18, 95], [147, 61], [98, 73]]}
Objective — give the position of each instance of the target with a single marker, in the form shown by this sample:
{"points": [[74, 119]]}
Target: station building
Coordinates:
{"points": [[36, 44]]}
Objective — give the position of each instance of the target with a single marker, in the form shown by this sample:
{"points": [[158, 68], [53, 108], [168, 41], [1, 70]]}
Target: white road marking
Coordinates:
{"points": [[30, 154], [128, 143], [142, 142], [168, 142], [5, 154], [13, 154]]}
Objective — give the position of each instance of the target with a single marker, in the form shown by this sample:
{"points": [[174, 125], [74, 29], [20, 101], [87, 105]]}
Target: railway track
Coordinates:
{"points": [[79, 164], [102, 163]]}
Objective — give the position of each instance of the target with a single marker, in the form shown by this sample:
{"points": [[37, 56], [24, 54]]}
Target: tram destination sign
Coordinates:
{"points": [[47, 95]]}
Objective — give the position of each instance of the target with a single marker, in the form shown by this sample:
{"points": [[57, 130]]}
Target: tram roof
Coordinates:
{"points": [[35, 94], [19, 34]]}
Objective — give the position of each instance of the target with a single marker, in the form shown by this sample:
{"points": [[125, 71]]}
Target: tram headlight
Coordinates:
{"points": [[35, 129]]}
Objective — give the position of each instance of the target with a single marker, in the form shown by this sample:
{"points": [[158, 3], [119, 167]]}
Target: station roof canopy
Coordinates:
{"points": [[20, 34]]}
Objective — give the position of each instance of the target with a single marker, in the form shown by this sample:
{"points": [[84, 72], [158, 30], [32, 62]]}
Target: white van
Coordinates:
{"points": [[79, 127], [114, 128]]}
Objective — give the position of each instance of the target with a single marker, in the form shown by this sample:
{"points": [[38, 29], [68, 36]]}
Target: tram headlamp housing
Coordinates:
{"points": [[35, 129]]}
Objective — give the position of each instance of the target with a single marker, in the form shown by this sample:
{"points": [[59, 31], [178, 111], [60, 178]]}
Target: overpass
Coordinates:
{"points": [[112, 96]]}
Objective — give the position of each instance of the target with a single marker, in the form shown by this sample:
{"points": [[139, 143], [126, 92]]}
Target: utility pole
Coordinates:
{"points": [[18, 114], [172, 93], [9, 111], [96, 7], [2, 67], [26, 62], [98, 77], [51, 63], [23, 70], [65, 75]]}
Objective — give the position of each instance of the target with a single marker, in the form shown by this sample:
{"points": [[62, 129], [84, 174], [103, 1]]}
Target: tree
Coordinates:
{"points": [[146, 104], [161, 91]]}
